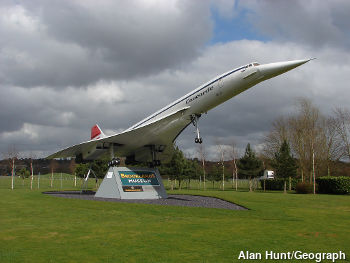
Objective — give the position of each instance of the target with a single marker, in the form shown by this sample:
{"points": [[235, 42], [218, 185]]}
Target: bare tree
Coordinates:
{"points": [[312, 137], [53, 167], [308, 119], [330, 144], [221, 154], [12, 156], [31, 158], [342, 125], [292, 130], [305, 135], [274, 139], [233, 157]]}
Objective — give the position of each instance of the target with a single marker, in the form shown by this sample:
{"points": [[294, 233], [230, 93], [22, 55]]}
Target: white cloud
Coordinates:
{"points": [[17, 18], [104, 92], [28, 131], [312, 23], [75, 43]]}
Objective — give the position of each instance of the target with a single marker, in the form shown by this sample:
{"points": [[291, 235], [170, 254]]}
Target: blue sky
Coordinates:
{"points": [[234, 27]]}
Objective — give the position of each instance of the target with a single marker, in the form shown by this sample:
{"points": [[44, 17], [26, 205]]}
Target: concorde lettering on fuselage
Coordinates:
{"points": [[200, 94]]}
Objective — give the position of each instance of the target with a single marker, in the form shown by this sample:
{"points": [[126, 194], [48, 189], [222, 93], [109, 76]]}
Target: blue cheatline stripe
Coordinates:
{"points": [[221, 77]]}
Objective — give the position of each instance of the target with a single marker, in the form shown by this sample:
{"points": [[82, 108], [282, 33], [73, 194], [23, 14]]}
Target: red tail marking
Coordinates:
{"points": [[95, 131]]}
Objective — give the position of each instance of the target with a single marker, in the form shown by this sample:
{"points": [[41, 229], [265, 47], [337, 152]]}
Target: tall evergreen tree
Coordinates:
{"points": [[284, 164], [249, 166], [99, 168], [191, 170], [177, 165], [82, 169], [214, 174]]}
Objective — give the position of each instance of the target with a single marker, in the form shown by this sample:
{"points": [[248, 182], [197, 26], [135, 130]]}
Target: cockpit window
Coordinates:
{"points": [[256, 64]]}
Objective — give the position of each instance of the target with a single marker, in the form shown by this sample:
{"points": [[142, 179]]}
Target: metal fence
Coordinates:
{"points": [[62, 181], [242, 184], [45, 182]]}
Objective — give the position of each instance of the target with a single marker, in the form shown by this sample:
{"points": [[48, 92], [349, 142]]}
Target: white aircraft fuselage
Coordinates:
{"points": [[222, 88], [156, 133]]}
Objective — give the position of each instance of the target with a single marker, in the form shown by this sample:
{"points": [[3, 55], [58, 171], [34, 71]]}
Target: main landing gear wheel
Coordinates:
{"points": [[114, 162], [154, 150], [194, 119], [198, 140]]}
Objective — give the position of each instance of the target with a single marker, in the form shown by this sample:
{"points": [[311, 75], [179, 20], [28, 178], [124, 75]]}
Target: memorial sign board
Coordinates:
{"points": [[132, 183]]}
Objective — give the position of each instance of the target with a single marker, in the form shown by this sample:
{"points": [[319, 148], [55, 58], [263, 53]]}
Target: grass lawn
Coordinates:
{"points": [[39, 228]]}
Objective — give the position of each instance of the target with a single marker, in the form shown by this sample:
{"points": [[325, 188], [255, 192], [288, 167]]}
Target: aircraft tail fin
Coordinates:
{"points": [[97, 133]]}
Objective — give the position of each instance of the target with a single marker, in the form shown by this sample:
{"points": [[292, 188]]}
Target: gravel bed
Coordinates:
{"points": [[174, 200]]}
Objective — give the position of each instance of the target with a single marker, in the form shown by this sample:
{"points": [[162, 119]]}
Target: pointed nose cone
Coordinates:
{"points": [[271, 70]]}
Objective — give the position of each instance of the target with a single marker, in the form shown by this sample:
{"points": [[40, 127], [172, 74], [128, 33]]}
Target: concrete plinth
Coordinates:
{"points": [[132, 183]]}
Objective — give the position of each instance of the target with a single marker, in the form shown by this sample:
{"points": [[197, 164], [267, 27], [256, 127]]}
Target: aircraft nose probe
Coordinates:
{"points": [[271, 70]]}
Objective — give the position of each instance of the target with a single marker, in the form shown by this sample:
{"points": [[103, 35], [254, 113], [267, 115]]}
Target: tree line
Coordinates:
{"points": [[181, 169], [317, 141]]}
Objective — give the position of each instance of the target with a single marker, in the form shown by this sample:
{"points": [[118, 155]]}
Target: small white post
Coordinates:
{"points": [[13, 171], [204, 187], [75, 180], [31, 180], [233, 178], [39, 180], [51, 177], [313, 171], [223, 171]]}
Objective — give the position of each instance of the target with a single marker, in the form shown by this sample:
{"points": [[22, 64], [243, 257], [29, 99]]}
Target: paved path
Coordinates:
{"points": [[175, 200]]}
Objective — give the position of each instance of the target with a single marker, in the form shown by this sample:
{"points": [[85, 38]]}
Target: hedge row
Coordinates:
{"points": [[333, 185], [278, 184], [325, 185], [304, 188]]}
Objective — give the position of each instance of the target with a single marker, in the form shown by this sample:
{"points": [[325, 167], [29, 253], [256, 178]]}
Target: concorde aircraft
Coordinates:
{"points": [[151, 140]]}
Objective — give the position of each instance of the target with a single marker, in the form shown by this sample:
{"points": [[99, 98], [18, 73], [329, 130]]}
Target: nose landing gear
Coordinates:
{"points": [[194, 119]]}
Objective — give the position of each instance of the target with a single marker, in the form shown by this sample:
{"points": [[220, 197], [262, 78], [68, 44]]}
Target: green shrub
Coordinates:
{"points": [[277, 184], [304, 188], [274, 184], [333, 185]]}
